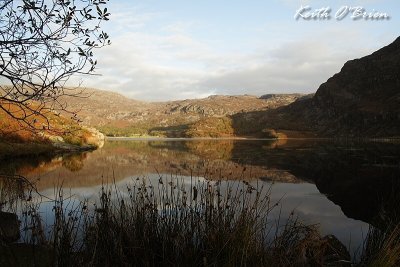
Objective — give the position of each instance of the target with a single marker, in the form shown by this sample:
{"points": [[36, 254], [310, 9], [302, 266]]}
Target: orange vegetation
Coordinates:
{"points": [[38, 129]]}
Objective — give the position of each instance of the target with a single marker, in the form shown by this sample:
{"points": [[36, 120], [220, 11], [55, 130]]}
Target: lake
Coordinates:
{"points": [[341, 186]]}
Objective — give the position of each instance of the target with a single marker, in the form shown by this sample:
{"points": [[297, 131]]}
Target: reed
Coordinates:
{"points": [[174, 222], [382, 247]]}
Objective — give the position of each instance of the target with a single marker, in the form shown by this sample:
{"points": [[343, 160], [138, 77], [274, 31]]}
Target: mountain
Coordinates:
{"points": [[362, 100], [116, 115]]}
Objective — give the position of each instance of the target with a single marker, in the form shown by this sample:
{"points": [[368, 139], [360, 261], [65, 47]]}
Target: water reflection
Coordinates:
{"points": [[341, 186]]}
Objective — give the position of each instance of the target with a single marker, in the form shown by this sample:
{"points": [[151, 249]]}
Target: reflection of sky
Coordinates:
{"points": [[304, 199], [315, 208]]}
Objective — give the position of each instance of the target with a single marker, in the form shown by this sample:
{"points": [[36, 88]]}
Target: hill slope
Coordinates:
{"points": [[64, 135], [362, 100], [116, 115]]}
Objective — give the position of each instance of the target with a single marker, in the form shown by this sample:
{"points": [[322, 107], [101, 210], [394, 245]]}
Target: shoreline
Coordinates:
{"points": [[368, 139], [12, 150]]}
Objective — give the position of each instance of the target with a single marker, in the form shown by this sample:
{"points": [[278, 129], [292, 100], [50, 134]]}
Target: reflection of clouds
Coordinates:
{"points": [[92, 193], [304, 199], [313, 208]]}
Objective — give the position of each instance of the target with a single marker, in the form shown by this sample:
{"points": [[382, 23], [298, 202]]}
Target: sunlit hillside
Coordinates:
{"points": [[44, 134]]}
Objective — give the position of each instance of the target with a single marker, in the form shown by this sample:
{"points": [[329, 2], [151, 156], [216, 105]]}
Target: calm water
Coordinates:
{"points": [[343, 187]]}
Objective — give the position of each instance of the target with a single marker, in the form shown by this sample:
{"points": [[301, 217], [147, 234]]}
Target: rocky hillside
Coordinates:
{"points": [[116, 115], [362, 100], [98, 107]]}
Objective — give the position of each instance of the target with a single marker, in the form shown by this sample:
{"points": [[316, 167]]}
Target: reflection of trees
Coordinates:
{"points": [[74, 162]]}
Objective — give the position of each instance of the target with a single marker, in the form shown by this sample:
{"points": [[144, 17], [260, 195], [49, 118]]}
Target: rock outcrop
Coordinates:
{"points": [[362, 100], [95, 138]]}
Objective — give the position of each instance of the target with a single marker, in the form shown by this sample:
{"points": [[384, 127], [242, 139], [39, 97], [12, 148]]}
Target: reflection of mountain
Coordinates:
{"points": [[211, 149], [119, 160], [363, 178], [358, 177]]}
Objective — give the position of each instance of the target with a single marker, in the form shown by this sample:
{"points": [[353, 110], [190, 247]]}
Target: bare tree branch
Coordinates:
{"points": [[43, 43]]}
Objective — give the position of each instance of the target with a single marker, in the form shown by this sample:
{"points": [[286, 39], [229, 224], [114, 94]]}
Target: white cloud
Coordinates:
{"points": [[169, 62]]}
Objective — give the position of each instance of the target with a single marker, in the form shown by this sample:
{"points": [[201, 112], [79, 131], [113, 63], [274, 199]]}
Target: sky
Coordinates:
{"points": [[178, 49]]}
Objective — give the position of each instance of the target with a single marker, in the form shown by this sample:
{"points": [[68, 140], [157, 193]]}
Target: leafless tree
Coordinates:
{"points": [[42, 44]]}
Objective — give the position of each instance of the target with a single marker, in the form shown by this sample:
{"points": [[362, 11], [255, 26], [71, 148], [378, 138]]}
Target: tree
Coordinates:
{"points": [[42, 44]]}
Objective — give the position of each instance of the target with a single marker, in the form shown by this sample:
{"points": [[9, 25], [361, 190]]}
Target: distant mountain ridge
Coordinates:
{"points": [[116, 115], [362, 100]]}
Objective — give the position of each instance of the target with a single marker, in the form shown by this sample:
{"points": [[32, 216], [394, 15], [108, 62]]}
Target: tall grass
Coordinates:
{"points": [[176, 222], [173, 223], [382, 247]]}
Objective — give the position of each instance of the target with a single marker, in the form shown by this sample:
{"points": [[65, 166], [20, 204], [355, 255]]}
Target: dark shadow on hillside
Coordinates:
{"points": [[291, 120]]}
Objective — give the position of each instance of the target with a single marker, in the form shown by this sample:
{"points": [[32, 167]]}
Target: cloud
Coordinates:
{"points": [[156, 59], [176, 67], [297, 66]]}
